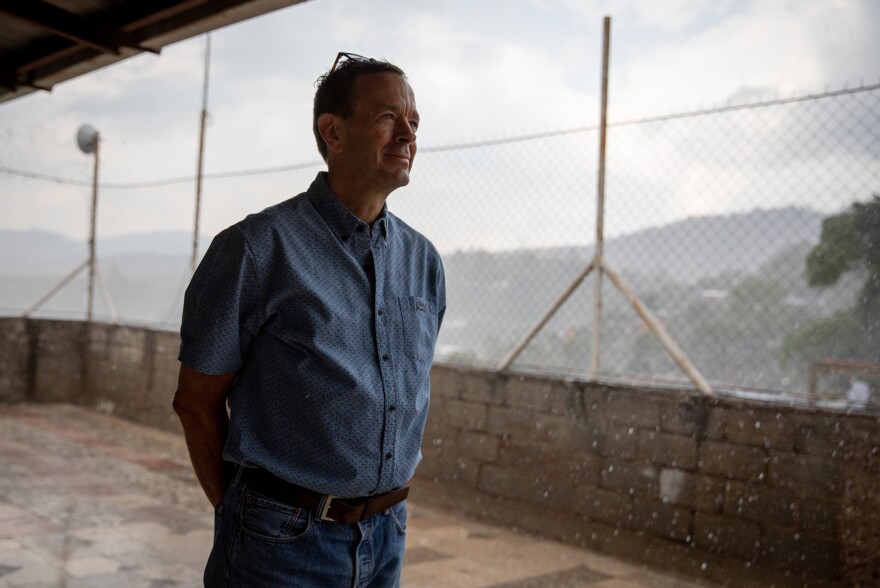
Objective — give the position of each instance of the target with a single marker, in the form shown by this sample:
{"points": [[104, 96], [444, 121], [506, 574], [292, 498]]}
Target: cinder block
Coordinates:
{"points": [[820, 435], [609, 506], [15, 348], [574, 400], [530, 394], [632, 479], [759, 427], [465, 415], [634, 410], [678, 451], [760, 503], [709, 494], [662, 520], [805, 557], [446, 381], [732, 461], [584, 468], [619, 442], [483, 387], [525, 485], [685, 418], [807, 475], [479, 446], [677, 487], [727, 535], [820, 518]]}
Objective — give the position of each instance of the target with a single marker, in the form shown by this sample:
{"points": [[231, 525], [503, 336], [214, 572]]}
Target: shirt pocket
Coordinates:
{"points": [[419, 327]]}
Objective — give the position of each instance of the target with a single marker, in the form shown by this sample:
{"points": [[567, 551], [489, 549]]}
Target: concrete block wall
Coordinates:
{"points": [[715, 488], [741, 493], [128, 371]]}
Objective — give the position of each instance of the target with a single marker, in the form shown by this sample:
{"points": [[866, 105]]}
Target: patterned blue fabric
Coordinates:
{"points": [[330, 324]]}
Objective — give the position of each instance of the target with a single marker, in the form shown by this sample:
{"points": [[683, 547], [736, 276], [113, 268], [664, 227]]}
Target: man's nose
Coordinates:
{"points": [[405, 133]]}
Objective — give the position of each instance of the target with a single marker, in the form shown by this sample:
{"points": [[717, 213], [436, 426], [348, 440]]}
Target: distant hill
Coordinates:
{"points": [[44, 253], [694, 248], [499, 291]]}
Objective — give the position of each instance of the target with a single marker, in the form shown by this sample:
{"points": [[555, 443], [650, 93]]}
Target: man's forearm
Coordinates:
{"points": [[205, 436]]}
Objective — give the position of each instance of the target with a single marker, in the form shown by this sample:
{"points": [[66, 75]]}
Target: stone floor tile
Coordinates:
{"points": [[26, 526], [90, 566], [128, 513], [30, 569], [621, 583], [570, 578]]}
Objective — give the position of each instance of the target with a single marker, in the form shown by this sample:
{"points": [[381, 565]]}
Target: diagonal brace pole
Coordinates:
{"points": [[527, 338], [658, 331]]}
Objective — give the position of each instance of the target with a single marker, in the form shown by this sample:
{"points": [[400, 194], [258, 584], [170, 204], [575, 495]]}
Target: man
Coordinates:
{"points": [[316, 320]]}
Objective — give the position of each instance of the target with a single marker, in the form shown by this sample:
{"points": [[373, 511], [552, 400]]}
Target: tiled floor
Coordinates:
{"points": [[90, 500]]}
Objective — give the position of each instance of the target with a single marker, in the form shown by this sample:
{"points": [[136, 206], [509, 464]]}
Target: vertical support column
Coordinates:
{"points": [[598, 260], [92, 231], [204, 116]]}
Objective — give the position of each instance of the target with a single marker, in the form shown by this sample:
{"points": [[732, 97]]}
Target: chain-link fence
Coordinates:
{"points": [[710, 219]]}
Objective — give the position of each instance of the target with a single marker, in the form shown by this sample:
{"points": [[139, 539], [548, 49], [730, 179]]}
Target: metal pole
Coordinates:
{"points": [[657, 329], [514, 353], [600, 212], [204, 116], [92, 232], [56, 289], [105, 294]]}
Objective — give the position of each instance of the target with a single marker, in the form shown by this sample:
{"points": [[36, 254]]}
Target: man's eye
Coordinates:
{"points": [[414, 124]]}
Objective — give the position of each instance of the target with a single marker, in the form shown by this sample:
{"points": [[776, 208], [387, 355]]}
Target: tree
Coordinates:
{"points": [[850, 241]]}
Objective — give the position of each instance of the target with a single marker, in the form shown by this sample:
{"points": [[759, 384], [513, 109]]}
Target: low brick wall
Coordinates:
{"points": [[128, 371], [746, 494], [740, 493]]}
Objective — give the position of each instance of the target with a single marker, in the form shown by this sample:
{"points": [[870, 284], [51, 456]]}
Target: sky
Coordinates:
{"points": [[481, 70]]}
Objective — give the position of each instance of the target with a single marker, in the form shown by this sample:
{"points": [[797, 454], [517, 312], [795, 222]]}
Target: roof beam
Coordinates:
{"points": [[66, 24]]}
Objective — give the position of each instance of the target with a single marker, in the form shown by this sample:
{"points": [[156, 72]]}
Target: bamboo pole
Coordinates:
{"points": [[199, 170], [600, 206], [657, 329], [92, 223], [548, 314]]}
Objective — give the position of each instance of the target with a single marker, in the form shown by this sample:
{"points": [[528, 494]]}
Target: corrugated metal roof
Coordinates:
{"points": [[43, 43]]}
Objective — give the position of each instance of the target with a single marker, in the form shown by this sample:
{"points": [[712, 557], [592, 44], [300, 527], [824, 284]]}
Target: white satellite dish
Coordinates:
{"points": [[87, 138]]}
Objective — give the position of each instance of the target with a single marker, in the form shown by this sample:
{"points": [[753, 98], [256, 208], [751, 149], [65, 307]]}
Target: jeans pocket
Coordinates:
{"points": [[269, 520], [398, 515]]}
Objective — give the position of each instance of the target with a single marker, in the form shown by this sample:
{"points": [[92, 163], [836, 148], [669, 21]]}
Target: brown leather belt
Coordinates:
{"points": [[326, 508]]}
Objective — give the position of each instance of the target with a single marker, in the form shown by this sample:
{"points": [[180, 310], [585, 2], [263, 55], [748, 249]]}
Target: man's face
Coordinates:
{"points": [[380, 137]]}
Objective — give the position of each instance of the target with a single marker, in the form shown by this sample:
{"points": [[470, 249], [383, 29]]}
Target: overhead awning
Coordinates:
{"points": [[44, 43]]}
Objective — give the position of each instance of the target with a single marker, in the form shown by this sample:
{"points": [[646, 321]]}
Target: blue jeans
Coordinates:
{"points": [[260, 542]]}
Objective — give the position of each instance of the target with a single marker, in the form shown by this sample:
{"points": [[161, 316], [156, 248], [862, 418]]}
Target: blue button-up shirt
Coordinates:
{"points": [[330, 324]]}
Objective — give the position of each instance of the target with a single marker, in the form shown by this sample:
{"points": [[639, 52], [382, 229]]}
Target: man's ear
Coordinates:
{"points": [[332, 131]]}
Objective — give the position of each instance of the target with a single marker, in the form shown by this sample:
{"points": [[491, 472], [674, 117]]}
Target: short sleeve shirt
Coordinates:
{"points": [[330, 325]]}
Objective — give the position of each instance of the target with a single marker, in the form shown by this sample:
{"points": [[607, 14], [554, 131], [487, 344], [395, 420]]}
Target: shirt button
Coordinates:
{"points": [[392, 408], [386, 357], [379, 312], [388, 455]]}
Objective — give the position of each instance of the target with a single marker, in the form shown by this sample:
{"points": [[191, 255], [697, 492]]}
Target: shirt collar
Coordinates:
{"points": [[341, 220]]}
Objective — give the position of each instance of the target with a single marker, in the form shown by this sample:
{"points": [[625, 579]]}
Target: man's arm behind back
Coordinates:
{"points": [[200, 403]]}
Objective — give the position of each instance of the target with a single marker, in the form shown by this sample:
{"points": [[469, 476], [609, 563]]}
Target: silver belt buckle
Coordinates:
{"points": [[326, 503]]}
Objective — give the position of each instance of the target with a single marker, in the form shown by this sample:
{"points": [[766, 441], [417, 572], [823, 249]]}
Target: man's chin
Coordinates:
{"points": [[399, 179]]}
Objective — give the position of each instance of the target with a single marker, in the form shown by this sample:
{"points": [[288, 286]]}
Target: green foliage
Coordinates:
{"points": [[836, 336], [850, 240], [867, 223], [840, 250]]}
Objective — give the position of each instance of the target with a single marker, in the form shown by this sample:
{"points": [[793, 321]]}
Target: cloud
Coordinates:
{"points": [[481, 70]]}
